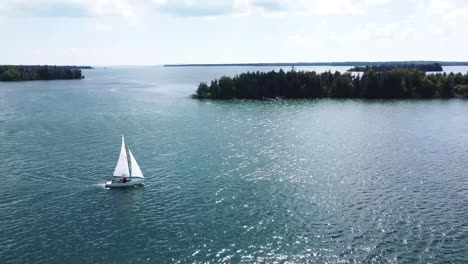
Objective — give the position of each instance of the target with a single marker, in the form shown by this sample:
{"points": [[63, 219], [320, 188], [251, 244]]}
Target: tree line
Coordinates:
{"points": [[10, 73], [395, 83], [436, 67]]}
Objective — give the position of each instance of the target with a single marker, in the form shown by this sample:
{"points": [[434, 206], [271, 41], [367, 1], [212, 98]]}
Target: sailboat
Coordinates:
{"points": [[125, 174]]}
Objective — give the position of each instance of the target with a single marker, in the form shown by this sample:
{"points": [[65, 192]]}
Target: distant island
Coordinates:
{"points": [[11, 73], [372, 84], [436, 67], [79, 67], [346, 63]]}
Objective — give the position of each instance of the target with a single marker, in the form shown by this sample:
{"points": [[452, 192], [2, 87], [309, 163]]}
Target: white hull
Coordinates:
{"points": [[133, 182]]}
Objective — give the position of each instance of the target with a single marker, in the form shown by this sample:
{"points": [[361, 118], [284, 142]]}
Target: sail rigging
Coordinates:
{"points": [[136, 171], [122, 169]]}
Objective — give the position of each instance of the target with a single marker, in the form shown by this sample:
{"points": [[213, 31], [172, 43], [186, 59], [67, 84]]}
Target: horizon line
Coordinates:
{"points": [[330, 63]]}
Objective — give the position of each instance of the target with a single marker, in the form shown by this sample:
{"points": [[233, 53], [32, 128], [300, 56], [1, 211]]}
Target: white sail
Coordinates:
{"points": [[121, 170], [136, 171]]}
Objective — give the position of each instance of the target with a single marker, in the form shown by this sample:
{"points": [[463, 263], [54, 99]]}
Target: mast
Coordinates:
{"points": [[129, 164]]}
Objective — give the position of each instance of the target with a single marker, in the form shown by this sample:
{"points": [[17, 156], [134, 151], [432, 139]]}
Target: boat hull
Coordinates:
{"points": [[132, 183]]}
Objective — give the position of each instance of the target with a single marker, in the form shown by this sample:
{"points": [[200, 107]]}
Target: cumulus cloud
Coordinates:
{"points": [[197, 8], [185, 8], [68, 8], [428, 20], [453, 10], [236, 7]]}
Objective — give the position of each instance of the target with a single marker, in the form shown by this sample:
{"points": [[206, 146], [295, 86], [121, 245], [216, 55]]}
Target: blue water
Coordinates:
{"points": [[322, 181]]}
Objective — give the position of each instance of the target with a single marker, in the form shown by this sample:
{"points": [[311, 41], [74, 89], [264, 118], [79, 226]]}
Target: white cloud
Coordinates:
{"points": [[234, 30], [449, 11], [301, 40], [376, 2], [434, 21], [239, 7], [124, 8], [98, 27], [188, 8], [326, 7], [428, 17]]}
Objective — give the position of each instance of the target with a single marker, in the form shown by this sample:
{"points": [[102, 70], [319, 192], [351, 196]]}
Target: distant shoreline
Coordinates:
{"points": [[344, 64], [17, 73]]}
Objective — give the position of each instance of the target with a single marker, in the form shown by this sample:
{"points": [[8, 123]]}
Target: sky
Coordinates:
{"points": [[155, 32]]}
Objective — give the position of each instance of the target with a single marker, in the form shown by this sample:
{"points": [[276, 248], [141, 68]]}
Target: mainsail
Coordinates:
{"points": [[136, 171], [121, 170]]}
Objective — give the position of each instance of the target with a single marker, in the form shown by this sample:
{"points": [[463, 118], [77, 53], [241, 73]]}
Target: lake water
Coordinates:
{"points": [[332, 181]]}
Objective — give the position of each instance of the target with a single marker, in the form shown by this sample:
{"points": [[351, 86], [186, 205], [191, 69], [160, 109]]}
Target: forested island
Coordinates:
{"points": [[372, 84], [9, 73], [436, 67]]}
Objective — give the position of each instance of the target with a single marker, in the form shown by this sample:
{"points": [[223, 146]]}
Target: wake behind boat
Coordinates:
{"points": [[125, 174]]}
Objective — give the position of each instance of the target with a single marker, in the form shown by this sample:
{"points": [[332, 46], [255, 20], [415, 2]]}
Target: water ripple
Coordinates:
{"points": [[228, 182]]}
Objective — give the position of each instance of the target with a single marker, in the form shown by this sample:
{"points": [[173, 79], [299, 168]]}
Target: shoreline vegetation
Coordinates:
{"points": [[436, 67], [344, 63], [397, 83], [14, 73]]}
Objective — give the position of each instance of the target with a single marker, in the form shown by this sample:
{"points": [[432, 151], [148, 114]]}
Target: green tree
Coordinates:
{"points": [[11, 75], [444, 87], [427, 88], [203, 91], [226, 88], [342, 87]]}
